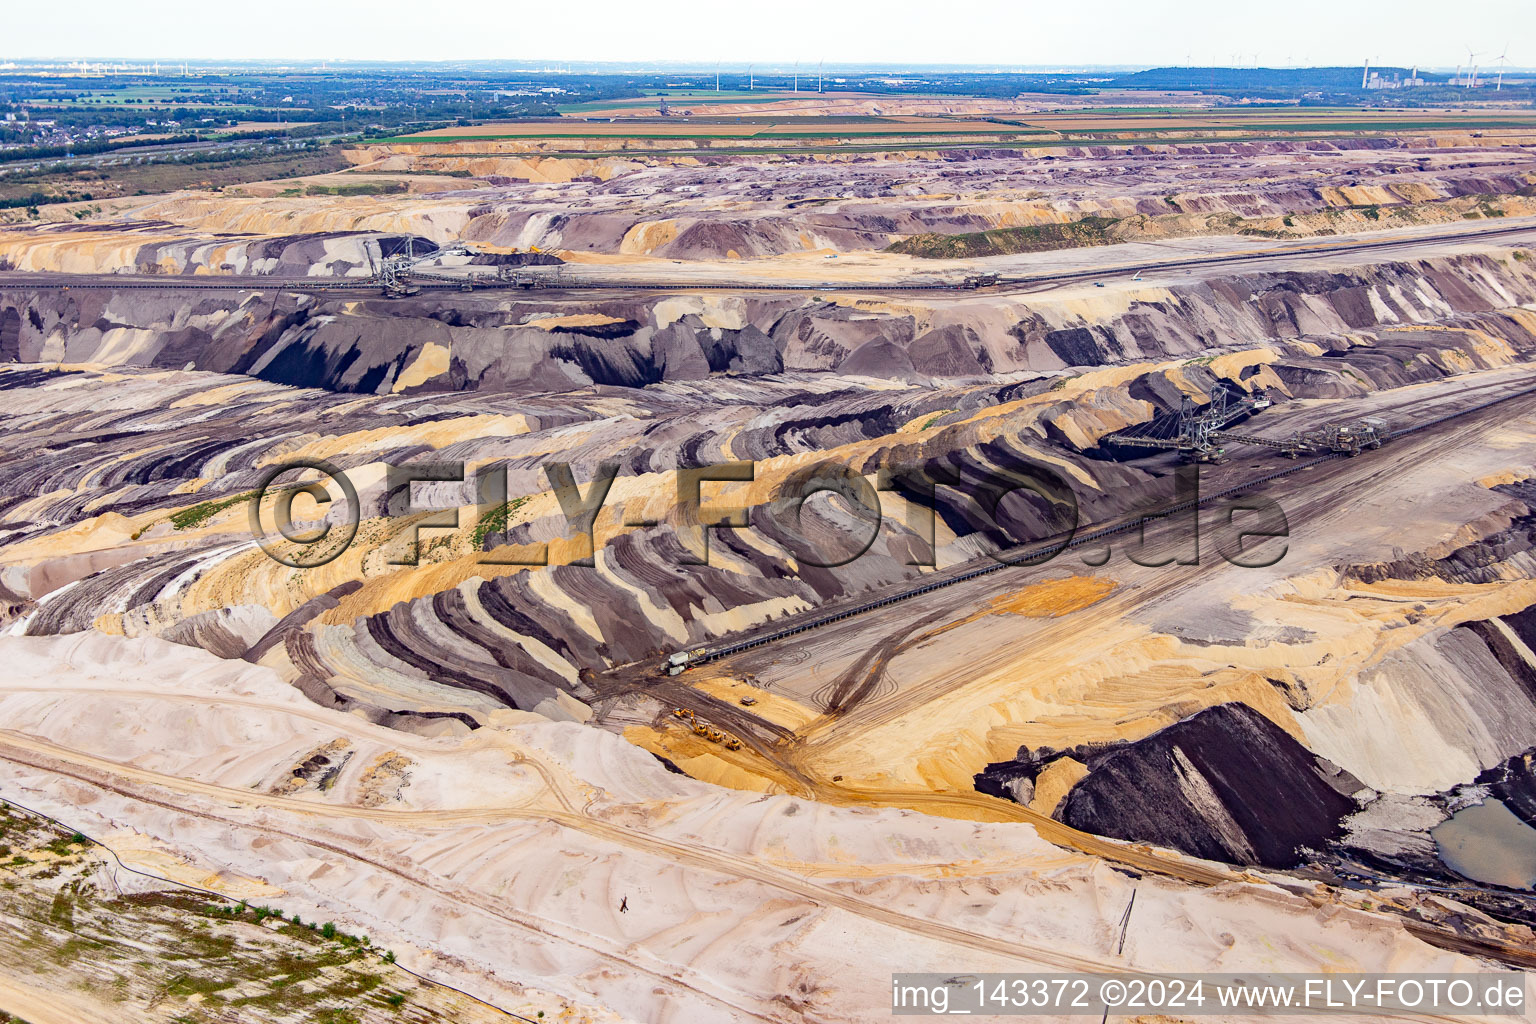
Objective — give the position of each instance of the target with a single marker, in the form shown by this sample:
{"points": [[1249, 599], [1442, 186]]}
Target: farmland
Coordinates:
{"points": [[646, 125]]}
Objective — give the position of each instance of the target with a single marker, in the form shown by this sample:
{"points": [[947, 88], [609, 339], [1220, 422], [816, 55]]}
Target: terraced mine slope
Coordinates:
{"points": [[701, 674]]}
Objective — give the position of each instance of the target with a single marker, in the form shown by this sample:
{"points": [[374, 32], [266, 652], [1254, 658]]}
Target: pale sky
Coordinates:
{"points": [[1021, 32]]}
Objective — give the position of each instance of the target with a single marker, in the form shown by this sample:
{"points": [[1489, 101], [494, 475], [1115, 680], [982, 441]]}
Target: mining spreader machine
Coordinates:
{"points": [[1199, 432]]}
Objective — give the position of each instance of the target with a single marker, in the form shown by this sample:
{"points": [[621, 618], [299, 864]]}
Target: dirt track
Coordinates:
{"points": [[183, 795], [140, 784]]}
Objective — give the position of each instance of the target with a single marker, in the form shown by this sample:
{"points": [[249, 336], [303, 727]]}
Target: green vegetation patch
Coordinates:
{"points": [[361, 188], [1005, 241], [197, 515], [495, 521], [210, 960]]}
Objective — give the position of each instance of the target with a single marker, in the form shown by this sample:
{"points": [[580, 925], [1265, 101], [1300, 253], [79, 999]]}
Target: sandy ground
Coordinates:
{"points": [[505, 858], [48, 1006]]}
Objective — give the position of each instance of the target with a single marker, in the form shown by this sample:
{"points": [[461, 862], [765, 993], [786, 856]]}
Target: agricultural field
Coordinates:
{"points": [[1004, 129], [650, 97], [719, 128]]}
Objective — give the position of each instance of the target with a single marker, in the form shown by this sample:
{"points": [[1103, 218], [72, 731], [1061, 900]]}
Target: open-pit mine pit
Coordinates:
{"points": [[693, 586]]}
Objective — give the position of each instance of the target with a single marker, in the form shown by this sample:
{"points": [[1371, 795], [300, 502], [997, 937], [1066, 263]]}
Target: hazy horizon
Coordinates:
{"points": [[1002, 36], [170, 64]]}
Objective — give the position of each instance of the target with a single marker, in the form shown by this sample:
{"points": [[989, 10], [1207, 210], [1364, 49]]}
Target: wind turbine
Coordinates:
{"points": [[818, 74], [717, 76], [797, 76], [750, 80], [1503, 60], [1472, 73]]}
